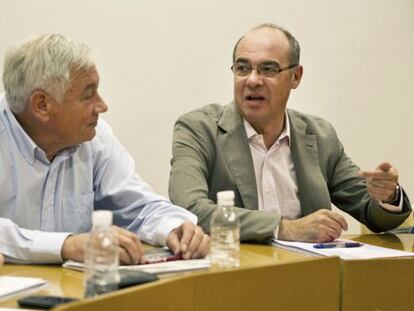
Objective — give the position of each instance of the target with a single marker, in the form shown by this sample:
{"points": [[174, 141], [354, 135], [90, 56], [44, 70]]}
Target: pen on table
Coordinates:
{"points": [[164, 259], [336, 245]]}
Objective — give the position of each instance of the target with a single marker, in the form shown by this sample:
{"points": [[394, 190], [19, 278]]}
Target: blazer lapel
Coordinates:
{"points": [[236, 152], [305, 158]]}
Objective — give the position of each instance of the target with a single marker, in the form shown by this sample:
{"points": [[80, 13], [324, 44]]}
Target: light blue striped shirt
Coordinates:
{"points": [[42, 202]]}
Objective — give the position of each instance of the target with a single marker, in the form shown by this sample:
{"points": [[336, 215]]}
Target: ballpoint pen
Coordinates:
{"points": [[336, 245], [160, 254], [164, 259]]}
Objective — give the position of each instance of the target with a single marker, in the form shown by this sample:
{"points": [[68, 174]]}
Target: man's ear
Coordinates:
{"points": [[40, 105], [297, 76]]}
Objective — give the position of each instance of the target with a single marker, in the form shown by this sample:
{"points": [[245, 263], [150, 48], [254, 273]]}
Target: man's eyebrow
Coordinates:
{"points": [[242, 60], [91, 86], [270, 62], [266, 62]]}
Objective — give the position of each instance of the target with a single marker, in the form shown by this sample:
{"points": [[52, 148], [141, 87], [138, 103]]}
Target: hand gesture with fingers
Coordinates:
{"points": [[189, 240], [130, 247], [320, 226], [131, 251], [382, 182]]}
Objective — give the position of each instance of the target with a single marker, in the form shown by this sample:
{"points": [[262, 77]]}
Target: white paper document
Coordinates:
{"points": [[14, 309], [156, 268], [10, 285], [365, 251], [159, 260], [171, 266]]}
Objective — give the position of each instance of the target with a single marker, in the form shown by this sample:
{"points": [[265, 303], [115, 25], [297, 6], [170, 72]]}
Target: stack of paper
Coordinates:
{"points": [[172, 266], [156, 268], [159, 260], [10, 285], [365, 251]]}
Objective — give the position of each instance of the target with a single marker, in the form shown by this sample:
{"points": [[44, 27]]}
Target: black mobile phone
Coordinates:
{"points": [[135, 277], [43, 302]]}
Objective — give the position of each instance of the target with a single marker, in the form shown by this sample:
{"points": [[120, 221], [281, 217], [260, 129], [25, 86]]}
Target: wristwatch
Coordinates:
{"points": [[396, 199]]}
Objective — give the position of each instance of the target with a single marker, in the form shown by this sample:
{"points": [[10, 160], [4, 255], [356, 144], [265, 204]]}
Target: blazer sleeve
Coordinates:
{"points": [[349, 193]]}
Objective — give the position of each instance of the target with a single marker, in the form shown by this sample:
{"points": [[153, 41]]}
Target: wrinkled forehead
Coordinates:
{"points": [[83, 78], [264, 44], [86, 73]]}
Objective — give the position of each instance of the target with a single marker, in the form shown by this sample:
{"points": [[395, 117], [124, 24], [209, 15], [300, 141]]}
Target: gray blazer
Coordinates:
{"points": [[211, 153]]}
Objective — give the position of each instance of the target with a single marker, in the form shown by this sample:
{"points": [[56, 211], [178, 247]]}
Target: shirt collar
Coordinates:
{"points": [[24, 143], [251, 132]]}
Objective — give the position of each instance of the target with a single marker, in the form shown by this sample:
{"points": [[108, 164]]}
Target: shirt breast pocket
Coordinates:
{"points": [[7, 193], [77, 213]]}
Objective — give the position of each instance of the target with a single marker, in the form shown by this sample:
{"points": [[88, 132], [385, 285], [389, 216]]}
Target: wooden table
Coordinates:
{"points": [[379, 284], [268, 279]]}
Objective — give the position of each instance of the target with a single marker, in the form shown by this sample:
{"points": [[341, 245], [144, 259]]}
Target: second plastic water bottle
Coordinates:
{"points": [[101, 256], [225, 233]]}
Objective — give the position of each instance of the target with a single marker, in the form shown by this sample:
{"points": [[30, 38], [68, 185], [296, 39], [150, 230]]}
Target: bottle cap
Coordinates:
{"points": [[225, 195], [102, 218]]}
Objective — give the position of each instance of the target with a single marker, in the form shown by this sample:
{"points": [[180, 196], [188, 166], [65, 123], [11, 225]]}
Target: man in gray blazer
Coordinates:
{"points": [[285, 167]]}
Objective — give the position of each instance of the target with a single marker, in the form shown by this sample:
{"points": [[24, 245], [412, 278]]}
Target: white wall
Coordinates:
{"points": [[160, 58]]}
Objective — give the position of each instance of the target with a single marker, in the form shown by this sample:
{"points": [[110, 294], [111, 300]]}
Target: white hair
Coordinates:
{"points": [[42, 63]]}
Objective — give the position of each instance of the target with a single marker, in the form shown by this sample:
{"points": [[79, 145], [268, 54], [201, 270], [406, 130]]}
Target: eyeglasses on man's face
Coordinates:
{"points": [[266, 69]]}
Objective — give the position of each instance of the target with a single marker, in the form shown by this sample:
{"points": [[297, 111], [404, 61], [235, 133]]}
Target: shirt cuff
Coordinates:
{"points": [[169, 225], [47, 247], [276, 232], [393, 208]]}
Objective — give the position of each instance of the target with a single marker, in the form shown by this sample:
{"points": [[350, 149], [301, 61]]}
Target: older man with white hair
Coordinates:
{"points": [[59, 162]]}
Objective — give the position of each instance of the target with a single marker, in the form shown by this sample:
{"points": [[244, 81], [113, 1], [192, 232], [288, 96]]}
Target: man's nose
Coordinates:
{"points": [[101, 107], [254, 78]]}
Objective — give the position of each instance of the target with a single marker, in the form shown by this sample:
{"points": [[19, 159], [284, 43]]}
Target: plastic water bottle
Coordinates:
{"points": [[101, 256], [225, 233]]}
